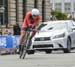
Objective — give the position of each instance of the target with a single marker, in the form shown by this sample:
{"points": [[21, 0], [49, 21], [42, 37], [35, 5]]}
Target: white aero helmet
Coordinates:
{"points": [[35, 12]]}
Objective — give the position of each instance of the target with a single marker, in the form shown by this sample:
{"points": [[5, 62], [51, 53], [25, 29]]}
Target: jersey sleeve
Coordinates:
{"points": [[37, 20], [28, 18], [24, 23]]}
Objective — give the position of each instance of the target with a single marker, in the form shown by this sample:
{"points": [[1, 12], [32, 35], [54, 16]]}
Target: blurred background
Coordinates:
{"points": [[13, 11]]}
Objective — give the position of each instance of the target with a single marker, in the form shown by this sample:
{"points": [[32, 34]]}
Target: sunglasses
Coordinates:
{"points": [[35, 15]]}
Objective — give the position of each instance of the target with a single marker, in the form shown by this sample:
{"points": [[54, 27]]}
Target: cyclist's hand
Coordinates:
{"points": [[30, 26]]}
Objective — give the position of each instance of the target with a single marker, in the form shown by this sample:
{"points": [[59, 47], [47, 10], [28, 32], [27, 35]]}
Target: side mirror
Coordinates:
{"points": [[73, 27]]}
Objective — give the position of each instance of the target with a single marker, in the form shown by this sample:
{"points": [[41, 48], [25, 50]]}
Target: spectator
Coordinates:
{"points": [[7, 30], [0, 32], [16, 29]]}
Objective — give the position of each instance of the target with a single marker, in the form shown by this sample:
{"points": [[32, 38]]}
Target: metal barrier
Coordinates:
{"points": [[8, 43]]}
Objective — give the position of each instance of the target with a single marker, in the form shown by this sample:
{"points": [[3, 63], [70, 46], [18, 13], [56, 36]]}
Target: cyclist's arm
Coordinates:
{"points": [[37, 21], [28, 18]]}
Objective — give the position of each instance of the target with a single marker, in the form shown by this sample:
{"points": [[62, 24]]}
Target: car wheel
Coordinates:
{"points": [[30, 51], [48, 51], [68, 49]]}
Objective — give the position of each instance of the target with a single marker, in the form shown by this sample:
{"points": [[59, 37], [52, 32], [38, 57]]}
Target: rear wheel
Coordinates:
{"points": [[68, 49], [48, 51]]}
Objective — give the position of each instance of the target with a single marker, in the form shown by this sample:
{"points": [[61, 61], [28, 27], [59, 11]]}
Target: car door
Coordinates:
{"points": [[73, 30], [71, 33]]}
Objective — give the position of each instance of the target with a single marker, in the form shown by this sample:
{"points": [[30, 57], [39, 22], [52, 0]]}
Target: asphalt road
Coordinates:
{"points": [[39, 59]]}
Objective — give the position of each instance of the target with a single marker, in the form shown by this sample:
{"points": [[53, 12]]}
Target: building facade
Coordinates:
{"points": [[65, 6], [15, 10]]}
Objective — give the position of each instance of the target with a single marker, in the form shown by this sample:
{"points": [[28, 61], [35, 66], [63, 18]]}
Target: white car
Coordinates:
{"points": [[55, 35]]}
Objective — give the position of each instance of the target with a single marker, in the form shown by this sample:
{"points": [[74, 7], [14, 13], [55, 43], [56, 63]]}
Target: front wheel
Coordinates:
{"points": [[68, 49], [23, 52]]}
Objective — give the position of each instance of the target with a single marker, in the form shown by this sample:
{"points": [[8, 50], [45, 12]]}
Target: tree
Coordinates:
{"points": [[59, 15]]}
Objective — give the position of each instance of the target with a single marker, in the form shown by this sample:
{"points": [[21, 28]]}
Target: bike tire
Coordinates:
{"points": [[25, 51], [21, 52], [20, 55], [24, 47]]}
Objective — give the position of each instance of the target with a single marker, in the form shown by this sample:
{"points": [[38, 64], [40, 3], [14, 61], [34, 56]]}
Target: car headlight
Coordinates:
{"points": [[59, 36]]}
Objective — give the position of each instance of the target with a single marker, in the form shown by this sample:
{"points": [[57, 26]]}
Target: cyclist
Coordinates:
{"points": [[31, 19]]}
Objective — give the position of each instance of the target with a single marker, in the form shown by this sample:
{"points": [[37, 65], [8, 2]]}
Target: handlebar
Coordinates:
{"points": [[30, 29]]}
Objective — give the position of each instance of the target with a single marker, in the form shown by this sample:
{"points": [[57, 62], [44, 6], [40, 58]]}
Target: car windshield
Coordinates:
{"points": [[54, 26], [41, 26]]}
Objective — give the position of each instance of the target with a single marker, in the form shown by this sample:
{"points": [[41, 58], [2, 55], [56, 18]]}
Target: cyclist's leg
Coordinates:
{"points": [[33, 34], [22, 37]]}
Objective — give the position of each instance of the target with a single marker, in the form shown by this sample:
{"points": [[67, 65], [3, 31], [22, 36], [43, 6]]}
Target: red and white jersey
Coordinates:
{"points": [[29, 20]]}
